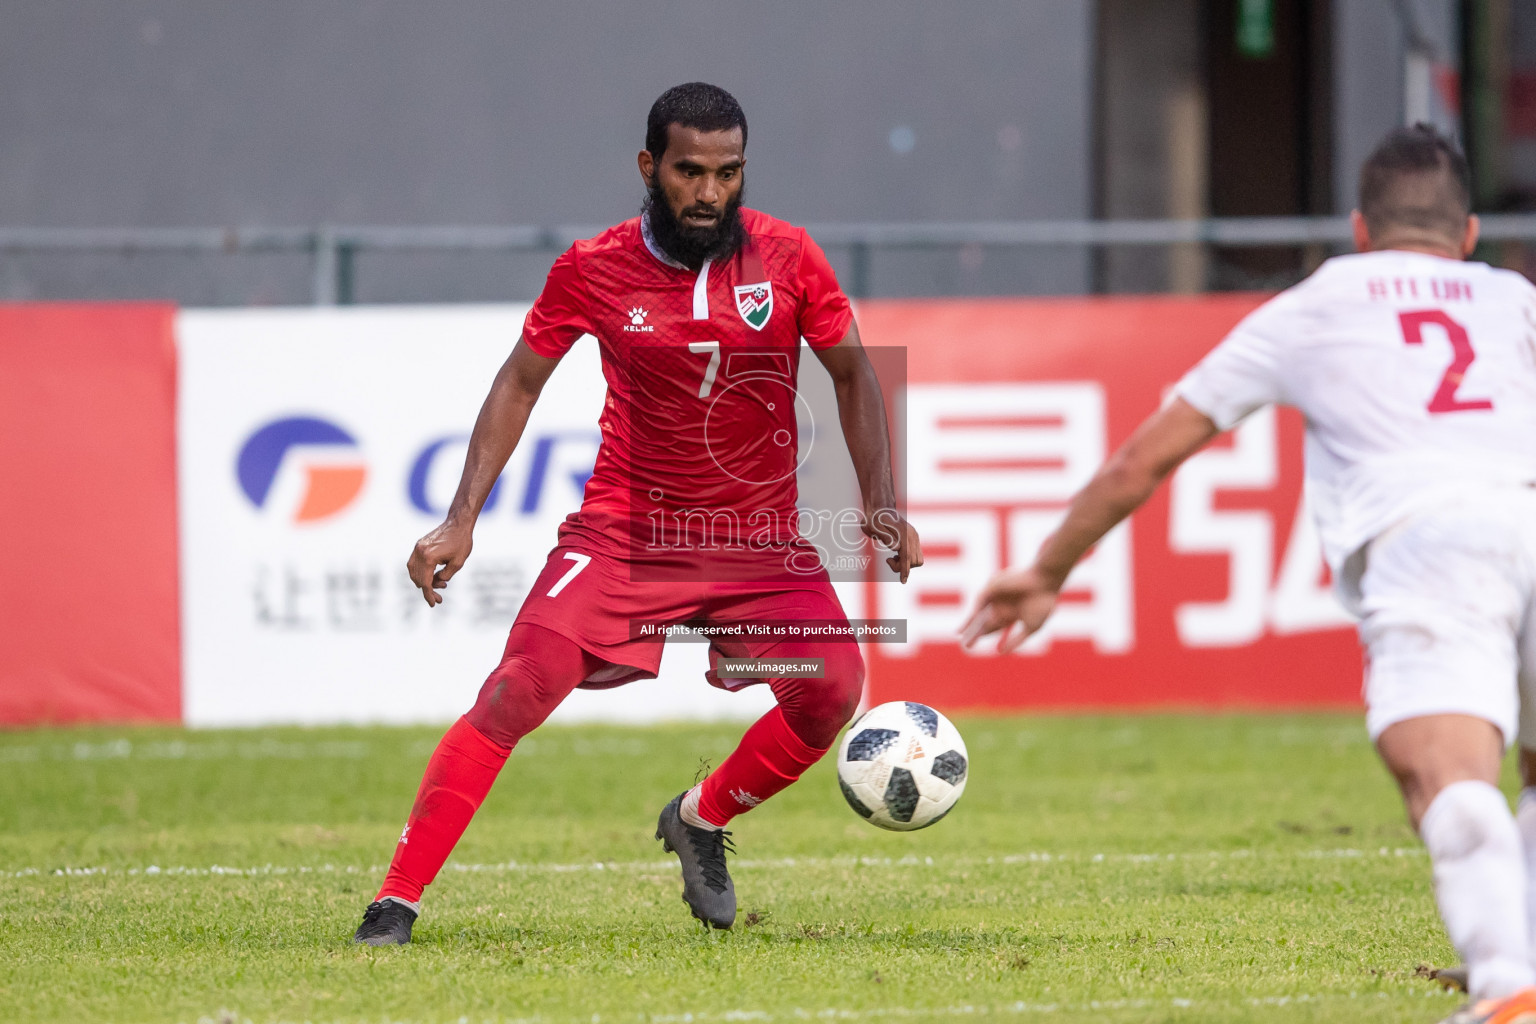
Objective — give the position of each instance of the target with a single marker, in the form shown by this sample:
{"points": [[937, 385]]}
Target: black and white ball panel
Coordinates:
{"points": [[923, 716], [853, 800], [868, 744], [901, 795], [950, 766]]}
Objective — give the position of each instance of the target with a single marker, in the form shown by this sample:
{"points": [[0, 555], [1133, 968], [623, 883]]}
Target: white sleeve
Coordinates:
{"points": [[1242, 374]]}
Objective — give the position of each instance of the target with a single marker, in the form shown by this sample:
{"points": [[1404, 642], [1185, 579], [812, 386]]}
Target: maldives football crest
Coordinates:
{"points": [[755, 303]]}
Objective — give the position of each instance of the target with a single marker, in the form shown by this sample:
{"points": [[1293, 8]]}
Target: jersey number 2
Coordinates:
{"points": [[1445, 399]]}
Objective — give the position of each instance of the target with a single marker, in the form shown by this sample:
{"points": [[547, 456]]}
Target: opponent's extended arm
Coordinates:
{"points": [[497, 431], [861, 407], [1027, 597]]}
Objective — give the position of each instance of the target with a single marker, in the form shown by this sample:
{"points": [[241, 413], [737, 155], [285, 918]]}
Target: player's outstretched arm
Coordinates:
{"points": [[861, 407], [441, 553], [1025, 598]]}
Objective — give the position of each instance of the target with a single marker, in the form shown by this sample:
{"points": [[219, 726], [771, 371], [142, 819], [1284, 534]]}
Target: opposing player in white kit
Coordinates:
{"points": [[1416, 372]]}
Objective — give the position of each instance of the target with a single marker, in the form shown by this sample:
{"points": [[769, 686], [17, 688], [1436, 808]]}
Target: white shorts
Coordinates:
{"points": [[1448, 602]]}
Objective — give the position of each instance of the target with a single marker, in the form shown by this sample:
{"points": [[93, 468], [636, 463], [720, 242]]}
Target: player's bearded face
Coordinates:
{"points": [[691, 245]]}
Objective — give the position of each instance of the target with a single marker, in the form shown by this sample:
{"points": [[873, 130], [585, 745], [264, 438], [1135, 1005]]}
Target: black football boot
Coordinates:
{"points": [[386, 922], [707, 887]]}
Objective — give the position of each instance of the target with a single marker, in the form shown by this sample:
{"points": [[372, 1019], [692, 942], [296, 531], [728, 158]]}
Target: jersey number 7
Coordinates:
{"points": [[713, 348], [1445, 399]]}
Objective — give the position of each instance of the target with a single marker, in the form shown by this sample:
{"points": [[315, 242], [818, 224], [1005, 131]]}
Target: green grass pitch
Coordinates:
{"points": [[1158, 868]]}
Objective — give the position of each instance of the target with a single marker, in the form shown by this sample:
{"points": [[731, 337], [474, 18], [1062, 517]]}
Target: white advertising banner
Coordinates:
{"points": [[315, 446]]}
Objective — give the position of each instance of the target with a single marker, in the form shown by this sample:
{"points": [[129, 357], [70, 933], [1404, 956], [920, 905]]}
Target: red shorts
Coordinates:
{"points": [[591, 600]]}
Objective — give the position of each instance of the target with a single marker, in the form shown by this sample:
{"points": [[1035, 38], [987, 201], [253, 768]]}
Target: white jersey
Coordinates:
{"points": [[1417, 378]]}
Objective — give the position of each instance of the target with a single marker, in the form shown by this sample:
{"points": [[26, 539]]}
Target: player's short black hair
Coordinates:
{"points": [[697, 105], [1416, 178]]}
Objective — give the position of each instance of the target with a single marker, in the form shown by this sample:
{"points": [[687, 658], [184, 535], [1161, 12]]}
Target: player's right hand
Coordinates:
{"points": [[437, 556], [1021, 598], [887, 527]]}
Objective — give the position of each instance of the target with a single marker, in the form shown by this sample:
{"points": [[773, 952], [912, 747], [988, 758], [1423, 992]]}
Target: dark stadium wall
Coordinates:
{"points": [[1369, 47], [1196, 118], [158, 113], [1268, 133]]}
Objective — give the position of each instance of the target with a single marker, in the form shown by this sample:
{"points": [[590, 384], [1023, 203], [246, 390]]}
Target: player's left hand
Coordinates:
{"points": [[886, 527], [1021, 598]]}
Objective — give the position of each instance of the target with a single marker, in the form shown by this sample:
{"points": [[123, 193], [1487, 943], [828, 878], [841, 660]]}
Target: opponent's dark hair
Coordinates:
{"points": [[697, 105], [1416, 178]]}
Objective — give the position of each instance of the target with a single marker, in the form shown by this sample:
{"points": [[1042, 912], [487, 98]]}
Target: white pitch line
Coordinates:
{"points": [[122, 749], [963, 1010], [780, 863]]}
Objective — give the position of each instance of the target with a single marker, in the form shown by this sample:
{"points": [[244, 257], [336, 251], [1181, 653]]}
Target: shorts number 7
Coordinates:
{"points": [[581, 563], [1462, 355]]}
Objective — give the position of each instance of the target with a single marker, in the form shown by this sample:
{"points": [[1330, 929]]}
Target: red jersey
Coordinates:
{"points": [[700, 439]]}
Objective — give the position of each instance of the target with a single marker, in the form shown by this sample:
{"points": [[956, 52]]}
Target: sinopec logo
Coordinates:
{"points": [[307, 467]]}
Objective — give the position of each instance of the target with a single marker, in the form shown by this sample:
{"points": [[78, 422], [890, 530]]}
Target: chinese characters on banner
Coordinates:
{"points": [[1215, 594], [990, 469], [379, 598]]}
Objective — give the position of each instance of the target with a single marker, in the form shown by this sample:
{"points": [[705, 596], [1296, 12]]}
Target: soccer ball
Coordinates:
{"points": [[902, 766]]}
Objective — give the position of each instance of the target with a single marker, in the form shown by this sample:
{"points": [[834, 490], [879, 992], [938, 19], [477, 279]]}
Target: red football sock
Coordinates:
{"points": [[459, 775], [768, 758]]}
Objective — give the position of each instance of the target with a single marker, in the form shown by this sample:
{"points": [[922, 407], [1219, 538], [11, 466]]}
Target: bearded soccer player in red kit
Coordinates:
{"points": [[683, 300]]}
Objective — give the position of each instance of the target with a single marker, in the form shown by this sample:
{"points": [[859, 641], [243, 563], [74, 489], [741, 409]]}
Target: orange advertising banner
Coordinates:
{"points": [[1214, 595], [89, 615]]}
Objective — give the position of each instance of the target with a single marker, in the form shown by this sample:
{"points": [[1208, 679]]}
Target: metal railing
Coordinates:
{"points": [[334, 248]]}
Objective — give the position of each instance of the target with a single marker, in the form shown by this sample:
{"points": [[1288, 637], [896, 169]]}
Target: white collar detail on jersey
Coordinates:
{"points": [[701, 293], [700, 283], [650, 243]]}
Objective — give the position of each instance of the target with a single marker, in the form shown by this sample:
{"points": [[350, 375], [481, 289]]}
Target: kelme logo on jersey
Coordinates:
{"points": [[324, 454], [637, 320], [755, 303]]}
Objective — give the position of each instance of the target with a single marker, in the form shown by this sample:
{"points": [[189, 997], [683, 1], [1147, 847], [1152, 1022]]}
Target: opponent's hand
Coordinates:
{"points": [[437, 556], [1021, 598], [888, 528]]}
